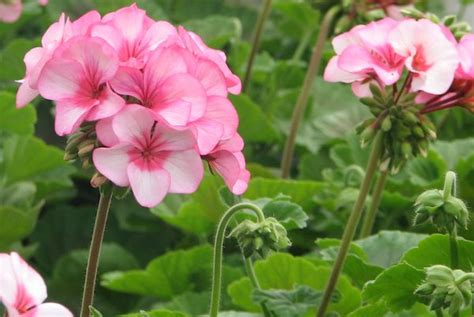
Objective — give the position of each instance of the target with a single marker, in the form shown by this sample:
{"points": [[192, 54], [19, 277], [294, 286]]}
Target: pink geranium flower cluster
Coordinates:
{"points": [[10, 10], [437, 67], [157, 94], [23, 291]]}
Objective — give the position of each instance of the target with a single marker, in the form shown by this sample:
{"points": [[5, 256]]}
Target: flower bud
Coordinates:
{"points": [[445, 288], [261, 237]]}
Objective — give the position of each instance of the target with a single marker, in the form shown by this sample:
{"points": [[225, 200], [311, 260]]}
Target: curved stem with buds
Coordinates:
{"points": [[304, 94], [218, 251], [352, 223], [94, 251]]}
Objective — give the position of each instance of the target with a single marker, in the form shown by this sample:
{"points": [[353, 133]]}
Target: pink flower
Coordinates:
{"points": [[150, 157], [23, 291], [77, 79], [227, 160], [196, 46], [165, 87], [43, 2], [430, 56], [37, 57], [365, 55], [466, 55], [133, 34], [10, 11]]}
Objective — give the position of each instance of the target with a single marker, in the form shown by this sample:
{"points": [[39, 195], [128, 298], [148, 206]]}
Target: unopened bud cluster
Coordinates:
{"points": [[445, 288], [457, 28], [261, 237], [80, 146], [444, 212], [406, 132]]}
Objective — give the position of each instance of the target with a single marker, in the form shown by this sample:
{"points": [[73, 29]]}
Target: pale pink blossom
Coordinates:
{"points": [[431, 58], [77, 80], [150, 157], [10, 11], [43, 2], [228, 161], [23, 291], [165, 87], [133, 34], [37, 57], [364, 55], [466, 55], [196, 46]]}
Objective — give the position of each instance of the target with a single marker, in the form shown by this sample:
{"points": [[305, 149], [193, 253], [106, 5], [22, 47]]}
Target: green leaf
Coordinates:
{"points": [[371, 310], [295, 17], [288, 303], [16, 224], [157, 313], [284, 271], [13, 120], [396, 286], [199, 213], [289, 214], [166, 276], [387, 247], [301, 192], [426, 172], [454, 150], [11, 60], [216, 30], [254, 125], [48, 169], [435, 250]]}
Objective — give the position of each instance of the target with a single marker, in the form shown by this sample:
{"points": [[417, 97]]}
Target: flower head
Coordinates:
{"points": [[23, 291]]}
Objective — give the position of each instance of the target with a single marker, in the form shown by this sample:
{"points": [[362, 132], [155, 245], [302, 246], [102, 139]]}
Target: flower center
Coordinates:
{"points": [[419, 61]]}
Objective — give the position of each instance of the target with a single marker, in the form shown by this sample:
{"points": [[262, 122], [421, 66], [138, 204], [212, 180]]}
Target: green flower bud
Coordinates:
{"points": [[386, 124], [261, 237]]}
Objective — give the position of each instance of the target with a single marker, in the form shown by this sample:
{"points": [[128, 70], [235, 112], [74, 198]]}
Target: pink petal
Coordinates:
{"points": [[227, 165], [43, 2], [57, 32], [133, 124], [186, 171], [8, 282], [333, 73], [109, 104], [129, 20], [234, 144], [25, 95], [149, 183], [129, 81], [60, 79], [110, 34], [208, 134], [173, 140], [210, 77], [164, 63], [113, 163], [48, 310], [83, 25], [105, 132], [176, 94], [70, 113], [30, 285], [158, 33]]}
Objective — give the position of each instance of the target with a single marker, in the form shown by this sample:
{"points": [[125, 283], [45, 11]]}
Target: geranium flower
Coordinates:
{"points": [[10, 10], [77, 79], [23, 291], [364, 55], [227, 160], [150, 157], [431, 57]]}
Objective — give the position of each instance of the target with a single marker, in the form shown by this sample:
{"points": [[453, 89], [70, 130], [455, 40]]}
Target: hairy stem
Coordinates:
{"points": [[352, 223], [218, 251], [369, 219], [254, 280], [300, 106], [94, 251], [267, 5]]}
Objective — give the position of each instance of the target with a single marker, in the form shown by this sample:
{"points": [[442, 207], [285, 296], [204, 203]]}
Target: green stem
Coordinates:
{"points": [[267, 5], [303, 44], [439, 313], [254, 281], [369, 219], [352, 223], [453, 248], [449, 185], [218, 251], [300, 106], [94, 251]]}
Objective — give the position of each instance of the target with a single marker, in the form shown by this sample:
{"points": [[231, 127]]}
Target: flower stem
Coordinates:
{"points": [[267, 5], [94, 251], [253, 279], [439, 313], [352, 223], [449, 185], [453, 249], [369, 218], [218, 254], [300, 106], [302, 46]]}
